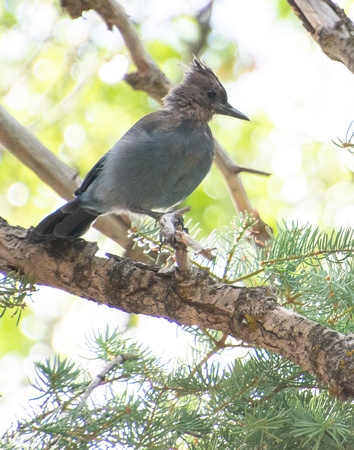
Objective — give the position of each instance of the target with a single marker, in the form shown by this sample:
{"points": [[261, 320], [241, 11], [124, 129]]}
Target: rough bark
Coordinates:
{"points": [[250, 314], [329, 27]]}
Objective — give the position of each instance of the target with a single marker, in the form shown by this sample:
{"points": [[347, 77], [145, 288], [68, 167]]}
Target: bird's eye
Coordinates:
{"points": [[211, 93]]}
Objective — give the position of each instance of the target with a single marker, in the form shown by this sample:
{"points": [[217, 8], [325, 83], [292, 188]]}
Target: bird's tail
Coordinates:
{"points": [[68, 222]]}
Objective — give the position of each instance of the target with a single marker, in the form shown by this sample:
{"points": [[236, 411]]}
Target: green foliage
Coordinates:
{"points": [[14, 290], [319, 424], [259, 401], [310, 270], [55, 380]]}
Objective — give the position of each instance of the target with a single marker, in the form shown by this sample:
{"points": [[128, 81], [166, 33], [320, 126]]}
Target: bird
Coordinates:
{"points": [[157, 163]]}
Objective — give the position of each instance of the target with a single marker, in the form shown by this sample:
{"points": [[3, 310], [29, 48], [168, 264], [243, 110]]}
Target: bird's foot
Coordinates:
{"points": [[177, 220], [171, 222], [173, 234]]}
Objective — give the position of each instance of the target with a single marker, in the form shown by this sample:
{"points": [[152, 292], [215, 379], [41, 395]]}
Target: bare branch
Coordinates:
{"points": [[237, 192], [203, 19], [148, 77], [100, 377], [250, 314], [329, 27]]}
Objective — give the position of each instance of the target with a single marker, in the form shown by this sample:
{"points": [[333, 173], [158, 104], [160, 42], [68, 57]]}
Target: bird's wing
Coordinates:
{"points": [[92, 175], [147, 124]]}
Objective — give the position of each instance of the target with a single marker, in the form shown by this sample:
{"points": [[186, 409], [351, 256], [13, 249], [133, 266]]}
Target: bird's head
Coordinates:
{"points": [[200, 95]]}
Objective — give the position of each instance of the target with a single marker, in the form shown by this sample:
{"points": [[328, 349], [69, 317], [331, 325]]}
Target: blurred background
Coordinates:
{"points": [[63, 79]]}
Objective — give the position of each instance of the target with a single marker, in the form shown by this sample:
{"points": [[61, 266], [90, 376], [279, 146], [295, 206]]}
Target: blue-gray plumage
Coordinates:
{"points": [[155, 165]]}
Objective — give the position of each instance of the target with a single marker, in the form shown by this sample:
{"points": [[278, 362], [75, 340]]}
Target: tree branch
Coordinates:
{"points": [[237, 192], [203, 20], [250, 314], [329, 27], [149, 77]]}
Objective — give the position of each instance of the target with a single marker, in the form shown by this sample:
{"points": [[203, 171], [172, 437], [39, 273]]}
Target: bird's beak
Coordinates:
{"points": [[227, 110]]}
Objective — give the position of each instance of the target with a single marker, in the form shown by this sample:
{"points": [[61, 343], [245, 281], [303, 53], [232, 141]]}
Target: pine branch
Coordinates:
{"points": [[249, 314], [263, 398], [14, 290], [307, 243]]}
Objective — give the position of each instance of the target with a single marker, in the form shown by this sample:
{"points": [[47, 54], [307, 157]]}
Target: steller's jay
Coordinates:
{"points": [[155, 165]]}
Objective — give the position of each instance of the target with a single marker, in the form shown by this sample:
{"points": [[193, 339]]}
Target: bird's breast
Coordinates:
{"points": [[156, 168]]}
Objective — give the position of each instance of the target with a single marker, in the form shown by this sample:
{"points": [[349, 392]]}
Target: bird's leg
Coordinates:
{"points": [[178, 220], [176, 237], [146, 212], [170, 222]]}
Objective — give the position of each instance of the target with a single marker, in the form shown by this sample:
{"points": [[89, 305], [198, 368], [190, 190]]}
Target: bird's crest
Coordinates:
{"points": [[201, 67], [198, 94]]}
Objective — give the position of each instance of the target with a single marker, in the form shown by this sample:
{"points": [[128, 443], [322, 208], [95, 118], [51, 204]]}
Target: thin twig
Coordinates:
{"points": [[100, 378], [306, 255], [220, 344]]}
